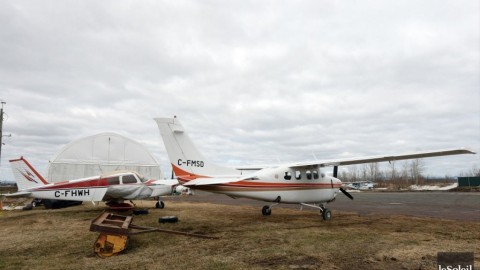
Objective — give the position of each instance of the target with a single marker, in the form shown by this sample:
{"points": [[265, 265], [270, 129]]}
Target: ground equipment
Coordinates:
{"points": [[115, 230]]}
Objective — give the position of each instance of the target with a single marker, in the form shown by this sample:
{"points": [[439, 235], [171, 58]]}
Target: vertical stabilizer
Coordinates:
{"points": [[25, 175], [184, 156]]}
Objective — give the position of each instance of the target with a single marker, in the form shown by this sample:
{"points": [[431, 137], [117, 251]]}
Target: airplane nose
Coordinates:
{"points": [[336, 181]]}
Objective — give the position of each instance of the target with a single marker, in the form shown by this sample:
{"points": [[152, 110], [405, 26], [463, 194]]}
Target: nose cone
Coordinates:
{"points": [[336, 182]]}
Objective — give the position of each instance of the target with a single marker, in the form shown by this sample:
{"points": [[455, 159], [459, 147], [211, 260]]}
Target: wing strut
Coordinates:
{"points": [[335, 171]]}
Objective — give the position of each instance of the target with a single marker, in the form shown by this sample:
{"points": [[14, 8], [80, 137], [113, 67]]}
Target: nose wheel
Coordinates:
{"points": [[266, 210]]}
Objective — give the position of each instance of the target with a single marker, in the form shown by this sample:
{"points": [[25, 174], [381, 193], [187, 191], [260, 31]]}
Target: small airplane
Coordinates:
{"points": [[361, 185], [112, 188], [303, 183]]}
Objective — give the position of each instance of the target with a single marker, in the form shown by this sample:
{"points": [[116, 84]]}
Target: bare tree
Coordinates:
{"points": [[404, 177], [373, 171], [417, 167], [393, 173], [364, 173], [475, 171], [353, 173]]}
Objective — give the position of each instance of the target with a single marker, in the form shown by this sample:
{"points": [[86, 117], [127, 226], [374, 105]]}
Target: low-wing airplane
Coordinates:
{"points": [[112, 188], [303, 183]]}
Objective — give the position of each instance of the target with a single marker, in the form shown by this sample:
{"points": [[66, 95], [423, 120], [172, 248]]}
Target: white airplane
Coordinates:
{"points": [[302, 183], [361, 185], [112, 188]]}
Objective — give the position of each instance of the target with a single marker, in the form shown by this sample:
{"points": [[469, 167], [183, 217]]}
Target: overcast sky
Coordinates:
{"points": [[252, 81]]}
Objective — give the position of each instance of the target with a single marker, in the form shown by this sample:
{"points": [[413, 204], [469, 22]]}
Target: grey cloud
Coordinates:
{"points": [[251, 81]]}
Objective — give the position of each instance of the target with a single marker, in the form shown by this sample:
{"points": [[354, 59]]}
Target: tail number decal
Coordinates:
{"points": [[72, 193], [190, 163]]}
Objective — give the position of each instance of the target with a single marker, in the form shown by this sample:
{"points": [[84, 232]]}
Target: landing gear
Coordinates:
{"points": [[266, 210], [326, 213], [160, 205]]}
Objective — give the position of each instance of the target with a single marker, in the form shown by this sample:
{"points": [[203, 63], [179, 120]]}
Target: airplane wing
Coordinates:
{"points": [[381, 158], [17, 194], [161, 187]]}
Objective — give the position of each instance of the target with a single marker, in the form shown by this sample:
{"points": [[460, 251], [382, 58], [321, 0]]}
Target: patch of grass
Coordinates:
{"points": [[289, 239]]}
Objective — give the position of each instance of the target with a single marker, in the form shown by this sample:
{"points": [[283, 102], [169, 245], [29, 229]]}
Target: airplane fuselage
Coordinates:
{"points": [[122, 186], [278, 184]]}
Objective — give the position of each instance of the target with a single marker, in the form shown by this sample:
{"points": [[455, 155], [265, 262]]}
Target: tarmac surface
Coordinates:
{"points": [[462, 206]]}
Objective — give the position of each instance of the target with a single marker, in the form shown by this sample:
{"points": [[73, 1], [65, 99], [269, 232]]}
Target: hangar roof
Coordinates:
{"points": [[102, 153]]}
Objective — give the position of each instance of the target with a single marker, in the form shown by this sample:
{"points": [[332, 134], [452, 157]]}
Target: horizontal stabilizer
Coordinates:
{"points": [[212, 181], [17, 194]]}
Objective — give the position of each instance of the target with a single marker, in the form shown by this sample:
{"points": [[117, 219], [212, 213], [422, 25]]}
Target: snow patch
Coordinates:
{"points": [[417, 187]]}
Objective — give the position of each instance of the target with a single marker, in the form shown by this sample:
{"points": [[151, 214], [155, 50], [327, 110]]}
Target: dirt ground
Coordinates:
{"points": [[288, 239]]}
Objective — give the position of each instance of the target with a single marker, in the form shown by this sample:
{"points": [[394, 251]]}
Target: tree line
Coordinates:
{"points": [[398, 174]]}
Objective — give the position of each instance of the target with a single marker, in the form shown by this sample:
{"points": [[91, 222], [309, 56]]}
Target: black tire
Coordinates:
{"points": [[266, 211], [140, 212], [168, 219], [326, 214], [34, 204], [160, 205]]}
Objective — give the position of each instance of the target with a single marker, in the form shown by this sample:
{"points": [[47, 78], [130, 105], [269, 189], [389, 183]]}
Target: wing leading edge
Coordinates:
{"points": [[382, 158], [17, 194]]}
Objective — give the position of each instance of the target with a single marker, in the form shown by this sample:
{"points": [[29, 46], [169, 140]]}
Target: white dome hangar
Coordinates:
{"points": [[102, 153]]}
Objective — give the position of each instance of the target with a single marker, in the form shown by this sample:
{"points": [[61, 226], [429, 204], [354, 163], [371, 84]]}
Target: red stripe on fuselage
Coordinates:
{"points": [[184, 176], [273, 188], [280, 185], [87, 183]]}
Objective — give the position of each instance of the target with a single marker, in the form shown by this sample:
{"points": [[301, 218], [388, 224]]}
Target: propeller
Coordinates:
{"points": [[346, 193], [335, 173]]}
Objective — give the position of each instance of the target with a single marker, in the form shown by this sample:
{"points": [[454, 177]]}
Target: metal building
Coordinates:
{"points": [[473, 181], [102, 153]]}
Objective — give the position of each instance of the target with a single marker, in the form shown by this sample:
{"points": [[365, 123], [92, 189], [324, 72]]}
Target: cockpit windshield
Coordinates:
{"points": [[141, 177]]}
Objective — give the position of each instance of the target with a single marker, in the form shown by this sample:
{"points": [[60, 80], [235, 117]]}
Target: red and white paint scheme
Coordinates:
{"points": [[303, 183], [112, 188]]}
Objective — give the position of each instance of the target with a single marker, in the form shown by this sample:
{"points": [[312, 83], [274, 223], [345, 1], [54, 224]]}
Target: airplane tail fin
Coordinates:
{"points": [[184, 156], [25, 175]]}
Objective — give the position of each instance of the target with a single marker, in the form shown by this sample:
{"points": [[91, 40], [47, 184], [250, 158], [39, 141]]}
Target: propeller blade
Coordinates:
{"points": [[346, 193]]}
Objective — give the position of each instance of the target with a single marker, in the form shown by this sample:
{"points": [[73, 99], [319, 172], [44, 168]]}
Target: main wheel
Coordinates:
{"points": [[326, 214], [160, 205], [266, 210]]}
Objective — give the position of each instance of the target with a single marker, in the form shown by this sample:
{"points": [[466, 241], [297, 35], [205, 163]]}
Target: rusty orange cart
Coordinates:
{"points": [[115, 230]]}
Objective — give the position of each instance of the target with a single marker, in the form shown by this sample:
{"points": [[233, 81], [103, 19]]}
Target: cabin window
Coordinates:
{"points": [[287, 176], [129, 179], [298, 175], [113, 180], [315, 174], [309, 175]]}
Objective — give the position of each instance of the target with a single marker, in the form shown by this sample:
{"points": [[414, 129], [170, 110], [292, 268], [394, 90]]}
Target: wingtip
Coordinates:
{"points": [[468, 150]]}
